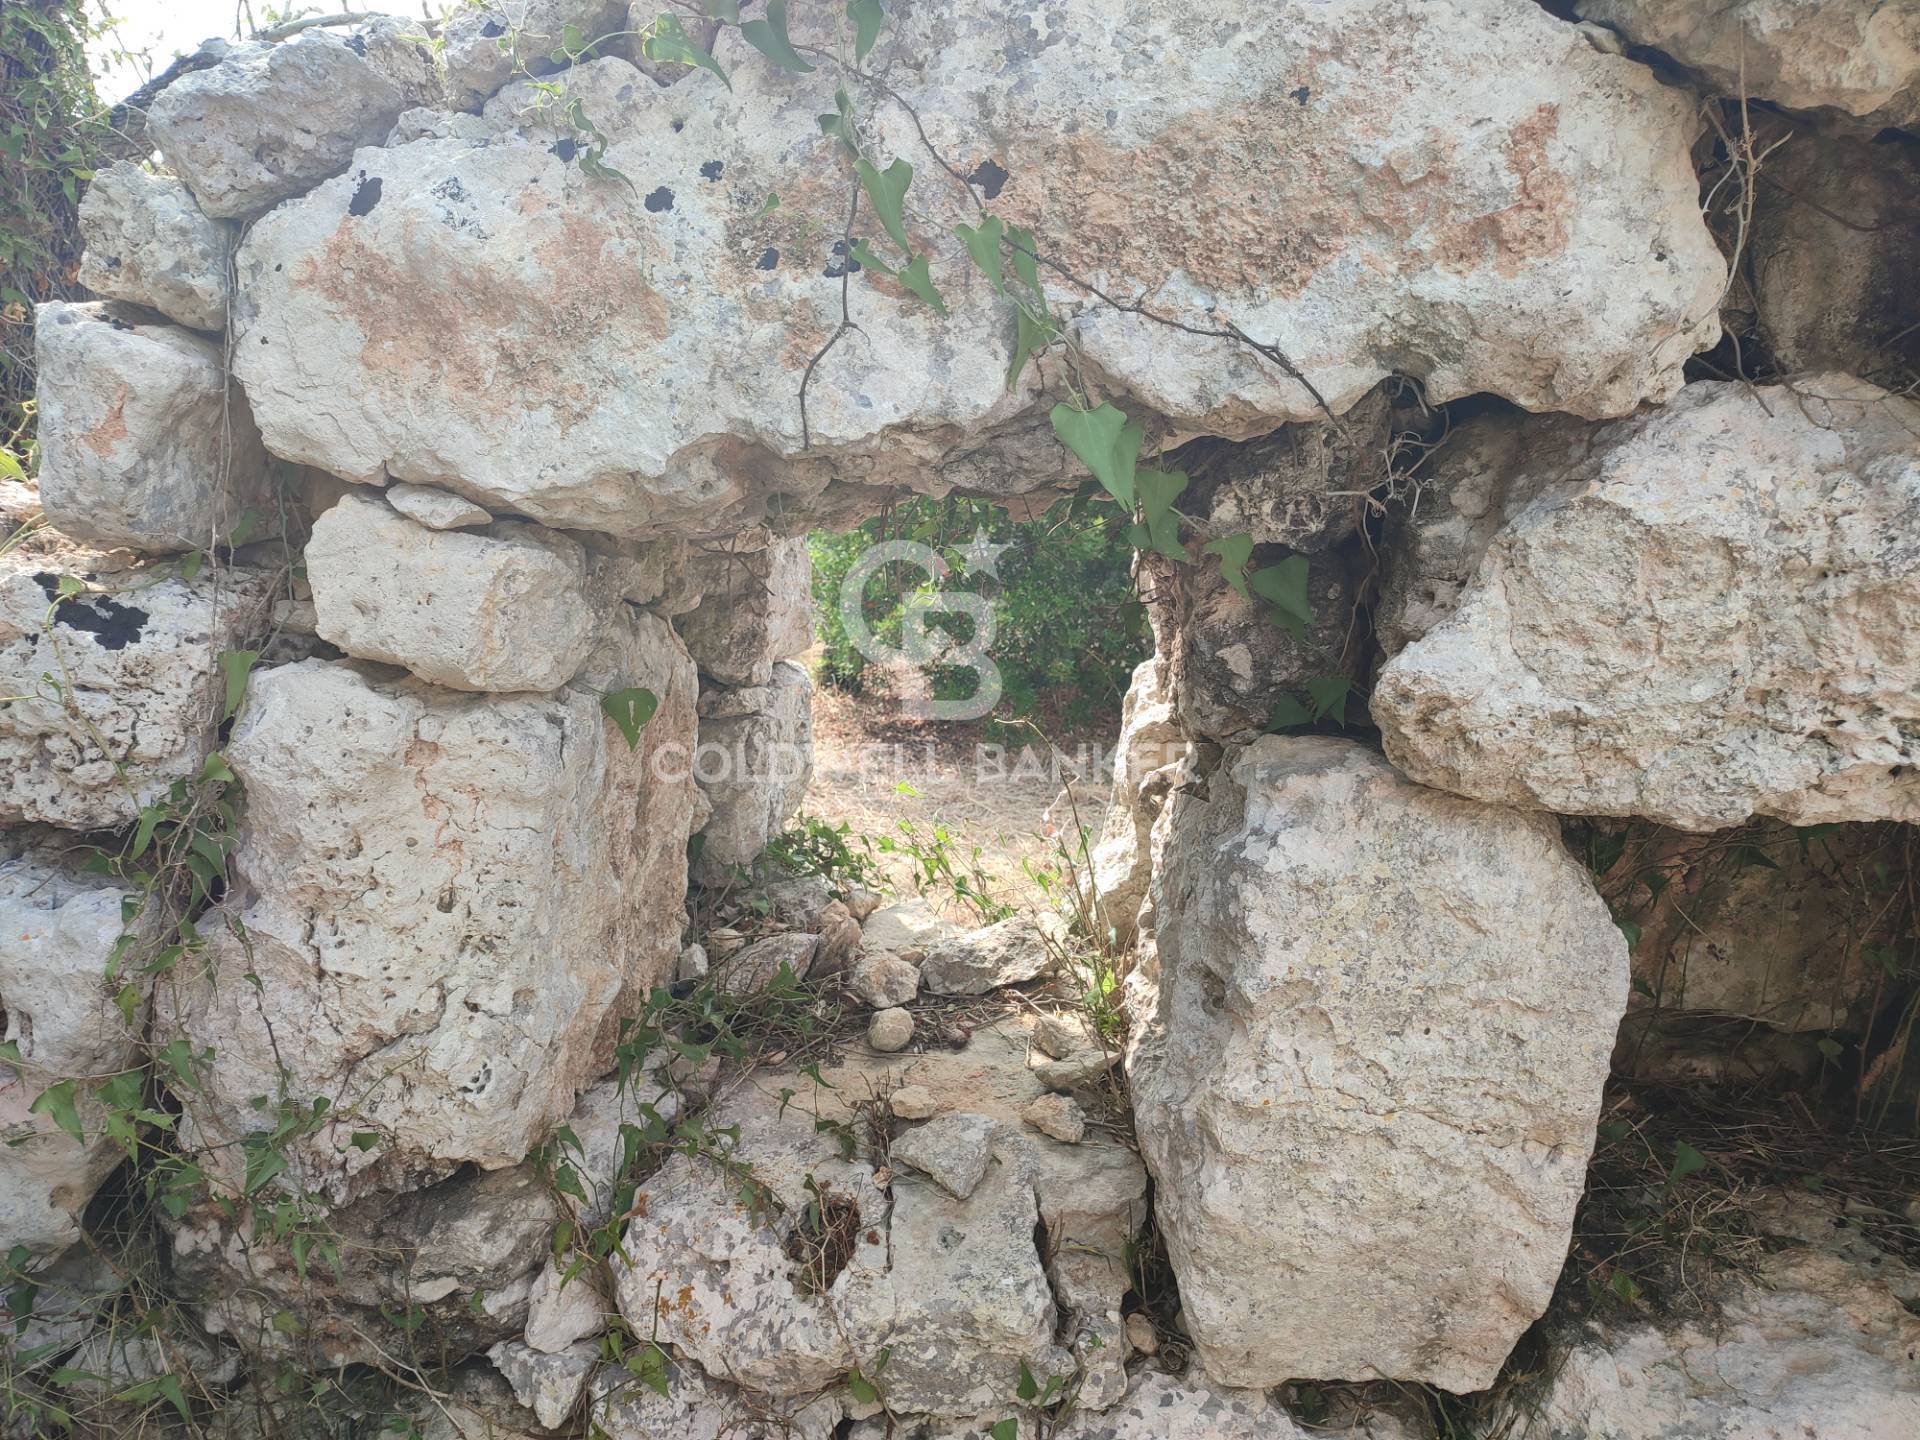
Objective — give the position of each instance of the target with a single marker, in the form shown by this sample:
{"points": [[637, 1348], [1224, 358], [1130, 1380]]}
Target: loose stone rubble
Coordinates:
{"points": [[149, 244]]}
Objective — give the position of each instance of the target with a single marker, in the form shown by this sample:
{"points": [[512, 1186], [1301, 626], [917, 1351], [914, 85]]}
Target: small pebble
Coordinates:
{"points": [[890, 1030], [1141, 1335], [1058, 1036], [1057, 1116], [693, 963], [912, 1102]]}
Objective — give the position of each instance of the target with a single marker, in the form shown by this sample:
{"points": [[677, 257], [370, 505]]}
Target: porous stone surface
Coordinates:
{"points": [[1158, 1406], [143, 442], [1540, 240], [550, 1385], [137, 643], [754, 768], [501, 611], [882, 979], [755, 607], [271, 119], [1058, 1117], [1815, 1343], [739, 1297], [1008, 952], [58, 926], [439, 510], [1148, 749], [563, 1309], [906, 925], [696, 1408], [952, 1151], [754, 967], [1444, 1075], [890, 1029], [148, 243], [483, 45], [1857, 56], [459, 895], [1727, 649]]}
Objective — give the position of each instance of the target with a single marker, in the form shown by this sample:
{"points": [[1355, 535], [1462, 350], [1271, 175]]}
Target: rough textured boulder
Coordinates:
{"points": [[1718, 621], [1817, 1342], [502, 610], [458, 895], [1858, 56], [1368, 1089], [57, 932], [753, 1300], [1010, 952], [438, 510], [465, 1252], [270, 120], [1150, 744], [1227, 659], [148, 243], [755, 607], [1836, 242], [1540, 239], [143, 442], [753, 765], [483, 44], [138, 642]]}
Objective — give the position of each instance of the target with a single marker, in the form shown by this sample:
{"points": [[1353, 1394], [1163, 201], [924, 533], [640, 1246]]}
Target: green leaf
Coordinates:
{"points": [[1829, 1047], [262, 1165], [1028, 1387], [364, 1139], [1288, 714], [861, 1387], [1686, 1161], [840, 124], [864, 257], [10, 1052], [1025, 265], [630, 709], [56, 1102], [672, 43], [1032, 336], [1105, 442], [1234, 552], [1330, 698], [215, 768], [888, 191], [1285, 585], [1004, 1430], [1631, 930], [727, 10], [916, 279], [1625, 1286], [983, 244], [10, 468], [1158, 489], [769, 37], [235, 665], [866, 17]]}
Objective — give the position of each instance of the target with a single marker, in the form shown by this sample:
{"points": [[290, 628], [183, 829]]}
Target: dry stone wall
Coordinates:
{"points": [[417, 558]]}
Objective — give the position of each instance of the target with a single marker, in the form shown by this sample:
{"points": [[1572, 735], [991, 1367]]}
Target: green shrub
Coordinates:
{"points": [[1068, 627]]}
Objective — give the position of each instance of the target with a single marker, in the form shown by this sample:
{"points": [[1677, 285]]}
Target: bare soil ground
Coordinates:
{"points": [[994, 787]]}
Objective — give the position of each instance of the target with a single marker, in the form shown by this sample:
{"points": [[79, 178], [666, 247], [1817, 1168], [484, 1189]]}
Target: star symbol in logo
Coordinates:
{"points": [[981, 553]]}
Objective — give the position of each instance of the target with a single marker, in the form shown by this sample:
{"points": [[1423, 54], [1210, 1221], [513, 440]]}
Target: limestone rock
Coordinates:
{"points": [[1158, 1406], [550, 1385], [1076, 1070], [751, 969], [952, 1151], [1857, 56], [696, 1408], [438, 509], [839, 936], [148, 243], [754, 770], [1227, 659], [501, 611], [1057, 1117], [138, 642], [1059, 1036], [906, 925], [470, 890], [890, 1029], [755, 608], [111, 1360], [1009, 952], [1650, 645], [58, 926], [138, 425], [1836, 237], [882, 980], [563, 1311], [486, 43], [1149, 746], [693, 965], [1816, 1345], [913, 1102], [1540, 240], [270, 120], [1445, 1076], [465, 1252], [747, 1303]]}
